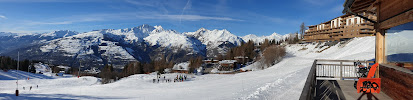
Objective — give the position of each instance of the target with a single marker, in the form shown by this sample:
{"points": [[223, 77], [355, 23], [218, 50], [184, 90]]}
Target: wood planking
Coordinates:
{"points": [[396, 84], [391, 8], [397, 20]]}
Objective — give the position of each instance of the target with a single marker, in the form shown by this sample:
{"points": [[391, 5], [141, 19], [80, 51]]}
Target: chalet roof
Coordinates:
{"points": [[357, 5], [64, 67], [210, 60], [227, 61], [240, 57], [347, 4]]}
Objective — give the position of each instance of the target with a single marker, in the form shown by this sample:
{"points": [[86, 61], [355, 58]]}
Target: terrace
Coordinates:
{"points": [[334, 79], [394, 30]]}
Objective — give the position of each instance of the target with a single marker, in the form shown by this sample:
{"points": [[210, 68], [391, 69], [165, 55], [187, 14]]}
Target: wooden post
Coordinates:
{"points": [[379, 42], [341, 70], [380, 49]]}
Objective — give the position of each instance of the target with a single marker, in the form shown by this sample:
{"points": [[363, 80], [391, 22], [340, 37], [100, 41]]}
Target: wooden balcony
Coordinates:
{"points": [[334, 80]]}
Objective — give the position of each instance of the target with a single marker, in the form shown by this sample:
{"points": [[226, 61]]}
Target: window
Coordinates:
{"points": [[399, 43]]}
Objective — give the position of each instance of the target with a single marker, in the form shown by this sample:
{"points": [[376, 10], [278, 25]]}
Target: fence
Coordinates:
{"points": [[337, 69], [323, 69]]}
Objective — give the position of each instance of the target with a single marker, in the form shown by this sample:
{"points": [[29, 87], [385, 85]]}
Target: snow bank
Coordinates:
{"points": [[181, 66]]}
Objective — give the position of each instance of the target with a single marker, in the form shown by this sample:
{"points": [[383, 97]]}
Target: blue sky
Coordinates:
{"points": [[240, 17]]}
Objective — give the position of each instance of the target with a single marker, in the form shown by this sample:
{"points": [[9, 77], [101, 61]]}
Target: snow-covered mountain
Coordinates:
{"points": [[170, 39], [256, 39], [120, 46], [99, 47], [12, 41], [216, 41], [6, 33], [110, 46], [59, 34]]}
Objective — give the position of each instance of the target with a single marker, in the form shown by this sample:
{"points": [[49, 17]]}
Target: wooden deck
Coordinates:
{"points": [[343, 90]]}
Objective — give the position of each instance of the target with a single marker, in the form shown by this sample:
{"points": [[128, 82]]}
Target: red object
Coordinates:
{"points": [[78, 76], [28, 78], [369, 84]]}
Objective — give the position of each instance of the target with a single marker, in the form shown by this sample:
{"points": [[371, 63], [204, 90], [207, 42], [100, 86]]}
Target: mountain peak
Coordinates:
{"points": [[159, 27], [201, 29], [259, 39], [144, 26], [60, 33], [275, 34]]}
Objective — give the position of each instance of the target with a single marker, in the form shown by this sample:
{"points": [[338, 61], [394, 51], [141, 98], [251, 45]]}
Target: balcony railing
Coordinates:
{"points": [[329, 70]]}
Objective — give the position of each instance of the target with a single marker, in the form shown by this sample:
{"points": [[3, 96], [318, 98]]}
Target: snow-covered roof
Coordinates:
{"points": [[40, 67], [181, 66], [240, 57], [93, 70], [65, 67], [227, 61], [210, 60]]}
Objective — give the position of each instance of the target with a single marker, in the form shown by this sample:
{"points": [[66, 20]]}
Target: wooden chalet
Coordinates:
{"points": [[394, 55], [343, 27], [394, 25], [210, 61], [241, 59], [227, 65], [181, 68]]}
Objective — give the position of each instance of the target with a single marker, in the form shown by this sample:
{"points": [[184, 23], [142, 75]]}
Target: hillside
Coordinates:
{"points": [[117, 46], [283, 81], [15, 74]]}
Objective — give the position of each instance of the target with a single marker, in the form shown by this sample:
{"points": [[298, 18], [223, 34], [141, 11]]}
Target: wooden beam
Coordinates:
{"points": [[397, 20], [361, 5], [391, 8]]}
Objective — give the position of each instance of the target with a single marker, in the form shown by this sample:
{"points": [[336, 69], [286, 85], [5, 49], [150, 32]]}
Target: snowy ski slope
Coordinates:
{"points": [[283, 81]]}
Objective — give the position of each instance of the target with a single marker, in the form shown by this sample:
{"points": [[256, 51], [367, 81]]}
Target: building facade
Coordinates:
{"points": [[343, 27]]}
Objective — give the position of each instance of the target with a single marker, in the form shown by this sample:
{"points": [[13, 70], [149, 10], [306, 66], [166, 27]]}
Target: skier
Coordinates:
{"points": [[185, 77], [30, 88], [37, 86], [23, 88]]}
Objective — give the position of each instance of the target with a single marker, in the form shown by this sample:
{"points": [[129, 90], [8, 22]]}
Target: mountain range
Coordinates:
{"points": [[120, 46]]}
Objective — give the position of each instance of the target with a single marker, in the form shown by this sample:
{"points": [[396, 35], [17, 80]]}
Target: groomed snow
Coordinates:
{"points": [[283, 81]]}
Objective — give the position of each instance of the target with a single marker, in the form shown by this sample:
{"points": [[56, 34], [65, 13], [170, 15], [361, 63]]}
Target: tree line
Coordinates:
{"points": [[7, 63], [108, 73]]}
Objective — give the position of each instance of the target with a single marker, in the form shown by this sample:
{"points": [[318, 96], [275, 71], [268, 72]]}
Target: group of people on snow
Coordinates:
{"points": [[24, 88], [159, 79], [178, 78]]}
